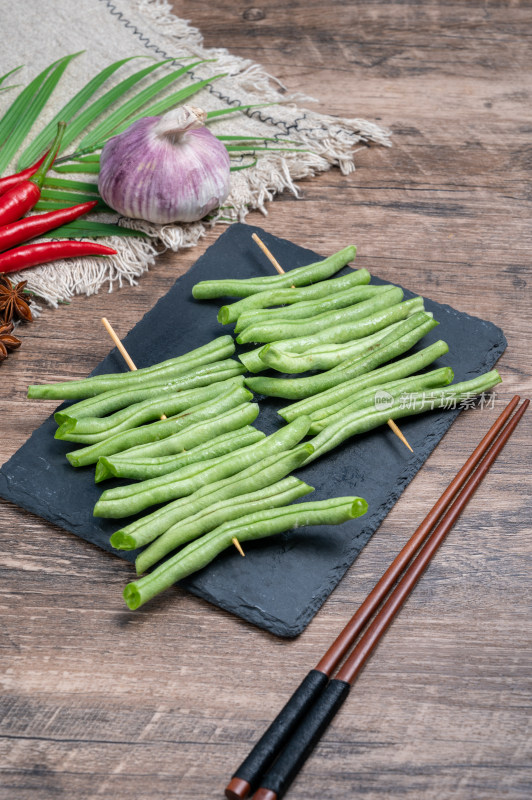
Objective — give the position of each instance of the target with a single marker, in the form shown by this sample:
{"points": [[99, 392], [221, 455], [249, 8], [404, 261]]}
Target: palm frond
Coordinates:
{"points": [[7, 74], [89, 169], [220, 112], [176, 98], [20, 116], [237, 148], [68, 198], [94, 158], [243, 166], [65, 183], [45, 137], [80, 229], [107, 127], [92, 112], [226, 138]]}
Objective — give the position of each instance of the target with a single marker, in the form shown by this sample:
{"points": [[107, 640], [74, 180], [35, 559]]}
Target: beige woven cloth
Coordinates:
{"points": [[108, 30]]}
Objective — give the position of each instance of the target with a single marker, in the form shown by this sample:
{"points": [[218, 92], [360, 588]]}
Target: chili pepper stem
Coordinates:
{"points": [[394, 427], [39, 176]]}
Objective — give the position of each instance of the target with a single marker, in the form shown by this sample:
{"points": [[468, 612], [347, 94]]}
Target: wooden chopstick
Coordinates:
{"points": [[317, 697]]}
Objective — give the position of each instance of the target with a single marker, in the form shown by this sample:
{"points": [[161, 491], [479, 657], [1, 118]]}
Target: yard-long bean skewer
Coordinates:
{"points": [[307, 697], [132, 366], [269, 255]]}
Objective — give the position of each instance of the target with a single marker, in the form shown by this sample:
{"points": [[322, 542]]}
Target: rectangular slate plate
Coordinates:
{"points": [[281, 583]]}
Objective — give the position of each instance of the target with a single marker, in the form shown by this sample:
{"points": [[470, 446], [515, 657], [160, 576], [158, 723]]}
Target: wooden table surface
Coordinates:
{"points": [[98, 702]]}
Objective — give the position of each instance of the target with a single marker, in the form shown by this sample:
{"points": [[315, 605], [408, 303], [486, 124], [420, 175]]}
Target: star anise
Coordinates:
{"points": [[7, 340], [12, 301]]}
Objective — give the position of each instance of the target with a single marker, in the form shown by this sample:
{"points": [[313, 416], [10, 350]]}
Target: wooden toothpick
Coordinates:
{"points": [[398, 432], [395, 428], [269, 255], [131, 364], [125, 355]]}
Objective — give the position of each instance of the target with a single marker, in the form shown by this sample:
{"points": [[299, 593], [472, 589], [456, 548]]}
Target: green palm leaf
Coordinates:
{"points": [[92, 159], [225, 138], [243, 166], [220, 112], [105, 128], [57, 205], [79, 229], [68, 198], [11, 71], [239, 148], [65, 183], [89, 169], [168, 102], [92, 112], [42, 141], [19, 118]]}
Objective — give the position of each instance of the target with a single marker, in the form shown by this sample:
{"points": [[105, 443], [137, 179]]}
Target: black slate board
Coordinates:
{"points": [[282, 582]]}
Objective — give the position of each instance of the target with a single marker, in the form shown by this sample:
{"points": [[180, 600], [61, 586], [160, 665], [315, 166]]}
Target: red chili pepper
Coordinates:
{"points": [[31, 255], [23, 196], [28, 228], [12, 180]]}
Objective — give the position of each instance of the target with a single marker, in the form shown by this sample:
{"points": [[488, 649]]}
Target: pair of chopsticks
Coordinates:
{"points": [[277, 757]]}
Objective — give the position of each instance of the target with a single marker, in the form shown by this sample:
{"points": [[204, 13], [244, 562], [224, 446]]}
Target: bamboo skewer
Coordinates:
{"points": [[125, 355], [269, 255], [394, 427], [131, 364]]}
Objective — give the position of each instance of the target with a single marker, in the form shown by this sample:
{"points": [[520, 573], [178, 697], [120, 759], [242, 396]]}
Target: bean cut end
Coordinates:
{"points": [[359, 508], [132, 596], [103, 470], [123, 541]]}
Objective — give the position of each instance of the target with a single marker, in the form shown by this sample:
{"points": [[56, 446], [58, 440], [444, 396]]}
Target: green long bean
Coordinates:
{"points": [[107, 402], [225, 398], [310, 308], [157, 430], [300, 276], [140, 468], [297, 388], [347, 389], [233, 420], [280, 494], [260, 475], [380, 396], [342, 333], [253, 362], [330, 356], [123, 501], [94, 429], [219, 348], [363, 420], [257, 525], [385, 306], [280, 297]]}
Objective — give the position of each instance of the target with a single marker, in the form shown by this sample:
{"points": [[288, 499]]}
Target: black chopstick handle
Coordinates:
{"points": [[254, 766], [304, 739]]}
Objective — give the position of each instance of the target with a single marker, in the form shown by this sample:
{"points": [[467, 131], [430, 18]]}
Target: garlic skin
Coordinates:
{"points": [[165, 169]]}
